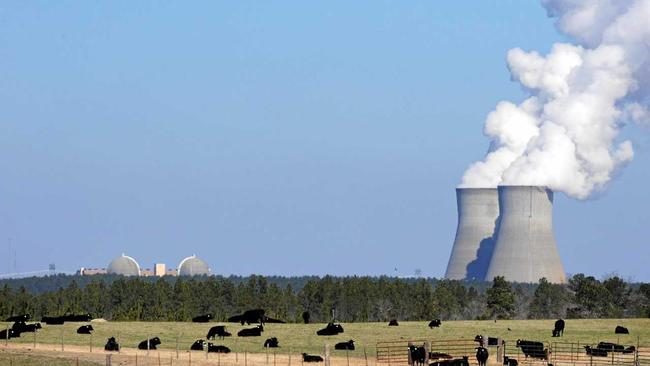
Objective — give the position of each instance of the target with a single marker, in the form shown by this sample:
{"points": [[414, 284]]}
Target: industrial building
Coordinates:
{"points": [[506, 232], [128, 266]]}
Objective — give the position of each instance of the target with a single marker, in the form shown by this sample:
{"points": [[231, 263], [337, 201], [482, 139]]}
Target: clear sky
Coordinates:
{"points": [[266, 137]]}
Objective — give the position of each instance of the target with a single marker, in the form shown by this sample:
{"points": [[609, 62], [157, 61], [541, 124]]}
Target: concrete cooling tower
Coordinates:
{"points": [[525, 248], [478, 211]]}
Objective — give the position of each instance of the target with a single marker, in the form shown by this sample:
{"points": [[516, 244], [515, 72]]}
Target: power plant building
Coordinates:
{"points": [[478, 212], [123, 265], [506, 232], [127, 266], [193, 266]]}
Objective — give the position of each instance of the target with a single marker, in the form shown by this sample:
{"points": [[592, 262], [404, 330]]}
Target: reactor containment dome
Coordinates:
{"points": [[123, 265], [193, 266]]}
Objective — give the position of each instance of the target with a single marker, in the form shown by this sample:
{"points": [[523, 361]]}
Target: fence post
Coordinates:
{"points": [[245, 358], [289, 356], [365, 355], [147, 345], [34, 339], [427, 349], [119, 348], [189, 358], [108, 360], [266, 349], [91, 342], [347, 357], [177, 336], [327, 354], [136, 359], [158, 358], [61, 338]]}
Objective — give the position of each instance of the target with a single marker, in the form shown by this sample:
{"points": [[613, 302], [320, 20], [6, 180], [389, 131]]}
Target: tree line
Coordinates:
{"points": [[345, 299]]}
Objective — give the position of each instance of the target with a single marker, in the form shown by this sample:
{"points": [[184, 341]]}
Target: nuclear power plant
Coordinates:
{"points": [[506, 232]]}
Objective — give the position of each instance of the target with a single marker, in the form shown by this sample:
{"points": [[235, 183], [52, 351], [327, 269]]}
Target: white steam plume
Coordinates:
{"points": [[564, 135]]}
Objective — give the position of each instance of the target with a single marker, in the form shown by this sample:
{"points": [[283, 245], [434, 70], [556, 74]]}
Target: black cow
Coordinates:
{"points": [[271, 343], [613, 347], [349, 345], [216, 348], [306, 317], [533, 349], [558, 329], [464, 361], [330, 329], [482, 355], [435, 323], [150, 344], [198, 345], [251, 332], [621, 330], [595, 352], [393, 323], [311, 358], [85, 329], [8, 334], [18, 318], [53, 320], [249, 317], [510, 361], [202, 318], [112, 345], [417, 355], [22, 327], [77, 318], [439, 356], [218, 331]]}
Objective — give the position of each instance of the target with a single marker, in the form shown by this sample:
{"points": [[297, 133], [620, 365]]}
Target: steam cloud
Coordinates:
{"points": [[565, 134]]}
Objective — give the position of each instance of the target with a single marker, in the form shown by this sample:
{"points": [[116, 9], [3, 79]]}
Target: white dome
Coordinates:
{"points": [[193, 266], [124, 265]]}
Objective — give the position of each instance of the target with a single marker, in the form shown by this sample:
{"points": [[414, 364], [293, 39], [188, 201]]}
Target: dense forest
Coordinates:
{"points": [[346, 299]]}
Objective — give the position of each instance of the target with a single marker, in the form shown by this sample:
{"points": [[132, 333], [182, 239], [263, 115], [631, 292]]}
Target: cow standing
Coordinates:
{"points": [[482, 355], [558, 329]]}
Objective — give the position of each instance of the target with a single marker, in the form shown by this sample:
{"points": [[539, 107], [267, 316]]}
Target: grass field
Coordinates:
{"points": [[302, 338]]}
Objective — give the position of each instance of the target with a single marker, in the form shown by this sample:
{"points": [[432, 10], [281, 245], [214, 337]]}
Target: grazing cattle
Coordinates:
{"points": [[393, 323], [271, 343], [112, 345], [18, 318], [251, 332], [22, 327], [349, 345], [558, 329], [218, 331], [85, 329], [595, 352], [53, 320], [439, 356], [464, 361], [533, 349], [482, 355], [198, 345], [8, 334], [306, 317], [149, 344], [621, 330], [216, 348], [330, 329], [417, 355], [311, 358], [435, 323], [202, 318], [77, 318], [510, 361]]}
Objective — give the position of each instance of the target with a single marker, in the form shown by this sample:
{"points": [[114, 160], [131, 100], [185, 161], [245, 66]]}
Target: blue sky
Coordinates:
{"points": [[270, 137]]}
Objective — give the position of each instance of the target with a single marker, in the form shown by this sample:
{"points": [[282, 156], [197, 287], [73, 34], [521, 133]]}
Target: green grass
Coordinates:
{"points": [[302, 338]]}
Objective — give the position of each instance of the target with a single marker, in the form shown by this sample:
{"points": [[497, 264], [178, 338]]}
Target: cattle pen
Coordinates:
{"points": [[60, 345]]}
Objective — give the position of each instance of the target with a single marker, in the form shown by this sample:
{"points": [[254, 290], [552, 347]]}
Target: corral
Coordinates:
{"points": [[370, 339]]}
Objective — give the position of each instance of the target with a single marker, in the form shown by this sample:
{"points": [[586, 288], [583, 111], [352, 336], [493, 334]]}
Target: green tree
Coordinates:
{"points": [[549, 301], [500, 299]]}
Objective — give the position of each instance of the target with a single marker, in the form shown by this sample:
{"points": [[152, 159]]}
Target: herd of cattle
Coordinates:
{"points": [[417, 354]]}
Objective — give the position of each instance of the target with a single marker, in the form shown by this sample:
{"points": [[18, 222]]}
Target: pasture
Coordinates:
{"points": [[297, 338]]}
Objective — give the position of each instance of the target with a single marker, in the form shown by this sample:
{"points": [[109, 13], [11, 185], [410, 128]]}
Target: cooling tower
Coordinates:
{"points": [[478, 211], [525, 248]]}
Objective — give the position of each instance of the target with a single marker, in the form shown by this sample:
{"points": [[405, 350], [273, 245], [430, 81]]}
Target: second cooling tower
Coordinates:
{"points": [[525, 248], [478, 211]]}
